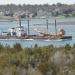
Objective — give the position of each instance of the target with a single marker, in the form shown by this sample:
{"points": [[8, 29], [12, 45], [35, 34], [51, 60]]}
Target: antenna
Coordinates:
{"points": [[55, 28]]}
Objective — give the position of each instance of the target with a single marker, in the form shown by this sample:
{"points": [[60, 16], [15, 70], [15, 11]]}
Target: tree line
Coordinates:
{"points": [[55, 9]]}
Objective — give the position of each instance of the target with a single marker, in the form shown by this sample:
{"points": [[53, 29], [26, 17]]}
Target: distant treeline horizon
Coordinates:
{"points": [[44, 9]]}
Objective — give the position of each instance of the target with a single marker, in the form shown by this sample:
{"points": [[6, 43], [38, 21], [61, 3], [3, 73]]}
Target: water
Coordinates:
{"points": [[70, 30]]}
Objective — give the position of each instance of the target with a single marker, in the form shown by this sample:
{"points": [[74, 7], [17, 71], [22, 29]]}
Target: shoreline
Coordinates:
{"points": [[11, 17], [58, 23]]}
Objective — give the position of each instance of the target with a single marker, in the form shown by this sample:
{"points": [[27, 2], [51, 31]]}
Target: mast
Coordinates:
{"points": [[55, 28], [19, 21], [47, 24], [28, 26]]}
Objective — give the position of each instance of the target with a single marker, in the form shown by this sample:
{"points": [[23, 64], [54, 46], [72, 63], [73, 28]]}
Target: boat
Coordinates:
{"points": [[57, 34], [20, 33]]}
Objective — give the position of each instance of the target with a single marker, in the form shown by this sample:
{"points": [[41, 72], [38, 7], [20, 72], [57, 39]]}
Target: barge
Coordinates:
{"points": [[21, 33]]}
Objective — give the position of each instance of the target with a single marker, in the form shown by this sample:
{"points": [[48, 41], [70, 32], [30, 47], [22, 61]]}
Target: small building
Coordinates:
{"points": [[1, 13], [42, 13]]}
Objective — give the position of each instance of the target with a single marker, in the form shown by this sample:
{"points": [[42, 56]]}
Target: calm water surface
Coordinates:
{"points": [[70, 30]]}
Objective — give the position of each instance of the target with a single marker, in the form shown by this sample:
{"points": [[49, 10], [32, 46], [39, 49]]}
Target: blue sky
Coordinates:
{"points": [[36, 1]]}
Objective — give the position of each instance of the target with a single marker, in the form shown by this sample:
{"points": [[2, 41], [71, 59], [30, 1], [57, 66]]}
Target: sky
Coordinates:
{"points": [[36, 1]]}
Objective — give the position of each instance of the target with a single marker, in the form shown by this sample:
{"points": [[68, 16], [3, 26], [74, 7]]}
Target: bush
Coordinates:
{"points": [[68, 47], [17, 47]]}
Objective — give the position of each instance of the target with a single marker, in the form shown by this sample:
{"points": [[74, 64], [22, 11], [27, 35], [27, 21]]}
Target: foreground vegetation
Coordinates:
{"points": [[47, 60]]}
